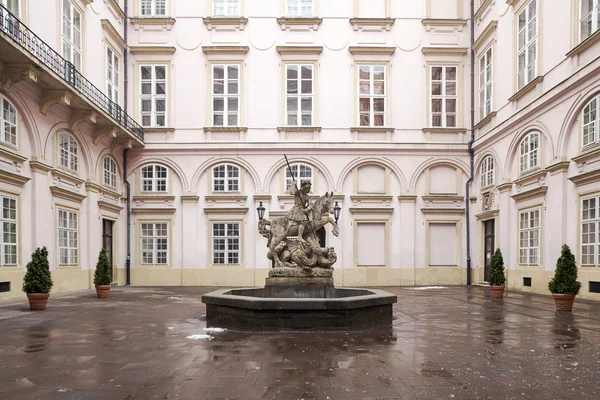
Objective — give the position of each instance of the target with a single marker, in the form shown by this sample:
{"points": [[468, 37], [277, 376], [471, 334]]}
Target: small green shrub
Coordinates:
{"points": [[497, 277], [565, 276], [102, 274], [38, 278]]}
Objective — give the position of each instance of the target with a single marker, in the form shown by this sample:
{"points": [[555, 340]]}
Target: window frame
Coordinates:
{"points": [[112, 175], [4, 122], [299, 96], [153, 4], [530, 152], [595, 222], [68, 230], [113, 87], [299, 180], [154, 179], [299, 7], [154, 238], [15, 222], [153, 96], [227, 180], [226, 14], [486, 87], [226, 241], [71, 39], [70, 155], [526, 45], [371, 95], [593, 123], [488, 172], [595, 16], [528, 258], [443, 97], [226, 96]]}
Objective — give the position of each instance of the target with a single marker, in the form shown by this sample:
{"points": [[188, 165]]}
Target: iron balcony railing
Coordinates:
{"points": [[21, 34]]}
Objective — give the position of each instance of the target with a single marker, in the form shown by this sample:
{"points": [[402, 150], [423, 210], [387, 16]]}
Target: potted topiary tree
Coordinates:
{"points": [[38, 281], [497, 278], [564, 285], [102, 276]]}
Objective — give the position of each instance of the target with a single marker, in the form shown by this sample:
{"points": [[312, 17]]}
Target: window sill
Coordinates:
{"points": [[531, 175], [152, 50], [443, 198], [225, 197], [530, 194], [485, 120], [165, 210], [152, 197], [225, 129], [158, 129], [67, 194], [13, 178], [371, 24], [9, 152], [152, 20], [373, 129], [67, 175], [299, 129], [310, 23], [589, 153], [442, 210], [587, 43], [238, 22], [104, 189], [586, 177], [558, 167], [226, 210], [526, 89], [444, 130], [443, 22]]}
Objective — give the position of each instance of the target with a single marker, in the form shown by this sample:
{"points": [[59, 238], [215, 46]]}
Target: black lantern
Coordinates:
{"points": [[261, 211], [336, 211]]}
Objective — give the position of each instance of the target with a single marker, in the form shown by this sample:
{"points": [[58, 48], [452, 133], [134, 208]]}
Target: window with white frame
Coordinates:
{"points": [[154, 242], [68, 237], [154, 178], [71, 33], [8, 234], [10, 24], [487, 172], [153, 8], [110, 172], [591, 122], [226, 243], [589, 18], [68, 152], [226, 8], [13, 6], [529, 152], [529, 237], [444, 96], [226, 94], [371, 95], [153, 95], [112, 75], [590, 225], [226, 178], [8, 122], [485, 84], [299, 103], [299, 173], [299, 8], [527, 45]]}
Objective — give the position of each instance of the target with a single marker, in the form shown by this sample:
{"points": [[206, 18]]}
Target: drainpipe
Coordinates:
{"points": [[471, 151], [125, 151]]}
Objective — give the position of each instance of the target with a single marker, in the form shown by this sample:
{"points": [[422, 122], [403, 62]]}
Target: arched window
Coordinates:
{"points": [[68, 152], [591, 122], [110, 172], [529, 156], [8, 122], [487, 172], [154, 178], [301, 172], [226, 178]]}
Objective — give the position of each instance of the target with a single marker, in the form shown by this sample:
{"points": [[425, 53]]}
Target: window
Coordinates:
{"points": [[112, 75], [226, 8], [591, 122], [371, 95], [226, 94], [8, 235], [529, 237], [9, 24], [226, 243], [485, 84], [589, 16], [154, 242], [154, 178], [68, 152], [300, 8], [13, 6], [71, 33], [590, 223], [8, 122], [487, 172], [529, 152], [68, 246], [299, 94], [444, 96], [110, 172], [153, 99], [301, 172], [527, 45], [153, 8], [226, 178]]}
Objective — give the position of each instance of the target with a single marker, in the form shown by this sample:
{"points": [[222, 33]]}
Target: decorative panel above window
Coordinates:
{"points": [[527, 45], [372, 95]]}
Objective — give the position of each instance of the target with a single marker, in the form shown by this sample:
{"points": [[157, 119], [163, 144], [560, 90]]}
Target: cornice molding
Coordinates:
{"points": [[67, 176], [444, 51], [442, 210], [558, 167], [407, 198], [262, 197], [530, 194], [152, 197], [115, 5], [189, 198], [485, 120], [226, 210], [110, 30], [526, 89], [299, 21], [12, 155], [444, 130], [152, 20], [299, 129], [489, 30], [588, 154], [12, 178], [443, 22], [165, 210], [371, 197], [372, 129], [225, 197], [587, 43], [37, 165], [94, 187], [152, 50], [242, 21], [368, 24], [228, 50], [299, 50], [371, 50], [484, 6], [504, 187], [531, 176], [372, 210], [66, 194], [225, 129], [487, 215], [442, 197], [586, 177], [106, 206]]}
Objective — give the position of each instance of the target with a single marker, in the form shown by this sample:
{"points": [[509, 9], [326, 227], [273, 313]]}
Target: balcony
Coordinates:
{"points": [[26, 56]]}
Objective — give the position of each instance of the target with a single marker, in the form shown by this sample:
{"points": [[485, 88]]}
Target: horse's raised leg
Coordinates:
{"points": [[336, 228]]}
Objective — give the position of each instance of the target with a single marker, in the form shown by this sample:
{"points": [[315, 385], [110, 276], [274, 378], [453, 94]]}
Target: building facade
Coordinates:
{"points": [[370, 99]]}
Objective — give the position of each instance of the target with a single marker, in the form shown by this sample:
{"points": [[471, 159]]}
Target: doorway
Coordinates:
{"points": [[489, 243], [107, 242]]}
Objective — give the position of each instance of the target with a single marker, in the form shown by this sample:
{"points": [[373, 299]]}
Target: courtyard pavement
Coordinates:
{"points": [[445, 343]]}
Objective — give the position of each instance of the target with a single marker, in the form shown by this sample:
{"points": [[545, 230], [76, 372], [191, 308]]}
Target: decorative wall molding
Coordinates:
{"points": [[371, 50], [299, 50], [444, 51], [111, 207], [12, 178], [372, 24], [487, 32], [226, 210], [485, 215], [235, 23], [586, 177], [63, 175], [299, 24], [12, 155], [110, 30], [66, 194], [526, 89], [189, 198], [164, 210], [530, 194], [442, 210], [371, 210], [152, 50]]}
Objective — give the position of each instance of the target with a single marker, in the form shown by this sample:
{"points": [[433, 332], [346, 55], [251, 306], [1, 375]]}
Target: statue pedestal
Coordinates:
{"points": [[299, 287]]}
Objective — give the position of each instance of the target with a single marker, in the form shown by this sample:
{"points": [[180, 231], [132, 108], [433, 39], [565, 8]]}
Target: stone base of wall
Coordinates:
{"points": [[540, 279], [65, 280]]}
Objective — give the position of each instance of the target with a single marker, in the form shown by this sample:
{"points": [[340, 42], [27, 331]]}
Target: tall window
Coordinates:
{"points": [[300, 172], [8, 235], [444, 96], [110, 172], [153, 8], [68, 152], [485, 84], [8, 122], [226, 94], [300, 8], [591, 122], [13, 6], [68, 241], [527, 45], [154, 242], [589, 16], [226, 243], [487, 172], [371, 95], [154, 178], [226, 178], [153, 99], [529, 152], [529, 237], [226, 8], [112, 75], [71, 33], [299, 94], [590, 225]]}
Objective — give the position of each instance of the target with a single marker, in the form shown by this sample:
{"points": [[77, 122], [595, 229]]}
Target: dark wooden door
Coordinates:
{"points": [[489, 243], [107, 242]]}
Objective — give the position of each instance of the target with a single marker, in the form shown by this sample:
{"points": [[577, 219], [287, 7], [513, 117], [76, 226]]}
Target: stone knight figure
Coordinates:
{"points": [[301, 212]]}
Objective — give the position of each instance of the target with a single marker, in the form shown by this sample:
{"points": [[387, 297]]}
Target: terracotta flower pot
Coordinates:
{"points": [[102, 291], [497, 292], [563, 302], [38, 301]]}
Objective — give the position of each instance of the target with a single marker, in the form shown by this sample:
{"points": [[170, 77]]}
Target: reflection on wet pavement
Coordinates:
{"points": [[151, 343]]}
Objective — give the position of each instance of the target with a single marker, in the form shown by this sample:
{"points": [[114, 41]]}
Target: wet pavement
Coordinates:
{"points": [[151, 343]]}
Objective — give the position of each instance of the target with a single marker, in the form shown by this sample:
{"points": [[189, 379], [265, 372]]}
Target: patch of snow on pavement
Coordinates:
{"points": [[198, 337], [215, 329], [427, 287]]}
